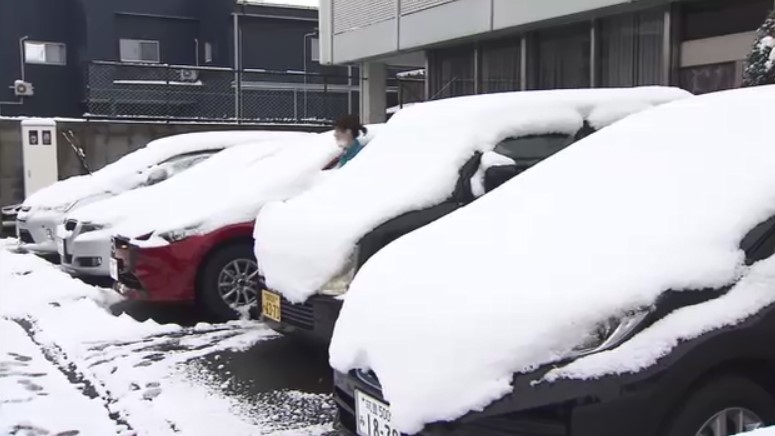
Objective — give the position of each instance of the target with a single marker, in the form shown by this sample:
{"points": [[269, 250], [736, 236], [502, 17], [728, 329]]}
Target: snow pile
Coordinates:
{"points": [[411, 165], [657, 201], [131, 170], [34, 277]]}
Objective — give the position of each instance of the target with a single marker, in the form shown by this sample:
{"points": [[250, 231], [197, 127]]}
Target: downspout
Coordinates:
{"points": [[20, 101], [236, 67], [306, 49]]}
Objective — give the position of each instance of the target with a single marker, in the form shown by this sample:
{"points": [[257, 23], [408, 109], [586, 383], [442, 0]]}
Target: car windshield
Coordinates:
{"points": [[529, 150], [183, 162]]}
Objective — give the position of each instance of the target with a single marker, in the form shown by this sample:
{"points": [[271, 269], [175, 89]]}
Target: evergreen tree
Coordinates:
{"points": [[759, 67]]}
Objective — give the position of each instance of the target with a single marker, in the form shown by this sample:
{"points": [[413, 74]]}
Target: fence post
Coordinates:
{"points": [[326, 106], [296, 104], [167, 92]]}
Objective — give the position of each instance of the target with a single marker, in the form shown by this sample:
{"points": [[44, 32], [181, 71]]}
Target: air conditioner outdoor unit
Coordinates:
{"points": [[188, 75], [23, 89]]}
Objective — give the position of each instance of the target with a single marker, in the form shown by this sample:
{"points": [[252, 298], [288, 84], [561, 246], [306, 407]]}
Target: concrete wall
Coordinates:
{"points": [[102, 142]]}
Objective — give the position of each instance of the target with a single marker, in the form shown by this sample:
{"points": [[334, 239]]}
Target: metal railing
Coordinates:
{"points": [[182, 92]]}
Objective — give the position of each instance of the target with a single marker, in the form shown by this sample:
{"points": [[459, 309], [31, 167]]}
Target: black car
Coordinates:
{"points": [[314, 319], [693, 361]]}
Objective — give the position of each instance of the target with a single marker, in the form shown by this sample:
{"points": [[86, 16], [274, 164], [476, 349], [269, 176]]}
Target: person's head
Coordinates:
{"points": [[347, 130]]}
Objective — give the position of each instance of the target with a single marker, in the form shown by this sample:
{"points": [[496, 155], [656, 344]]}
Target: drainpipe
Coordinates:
{"points": [[21, 70], [306, 44], [236, 67]]}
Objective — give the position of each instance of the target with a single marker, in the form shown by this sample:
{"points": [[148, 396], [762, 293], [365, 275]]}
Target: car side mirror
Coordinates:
{"points": [[157, 175], [498, 175]]}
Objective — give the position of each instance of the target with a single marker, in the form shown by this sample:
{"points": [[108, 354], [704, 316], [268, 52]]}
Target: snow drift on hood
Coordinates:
{"points": [[411, 165], [658, 201], [129, 171]]}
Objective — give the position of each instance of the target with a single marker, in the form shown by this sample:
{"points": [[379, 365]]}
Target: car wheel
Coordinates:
{"points": [[724, 406], [230, 285]]}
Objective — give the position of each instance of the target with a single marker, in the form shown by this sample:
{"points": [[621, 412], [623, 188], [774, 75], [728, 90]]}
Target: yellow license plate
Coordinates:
{"points": [[270, 305]]}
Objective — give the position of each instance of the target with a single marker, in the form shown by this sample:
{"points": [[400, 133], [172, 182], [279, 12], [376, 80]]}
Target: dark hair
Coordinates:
{"points": [[351, 123]]}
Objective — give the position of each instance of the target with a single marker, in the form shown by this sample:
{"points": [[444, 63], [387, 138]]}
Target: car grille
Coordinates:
{"points": [[26, 237], [130, 280], [298, 315], [70, 225]]}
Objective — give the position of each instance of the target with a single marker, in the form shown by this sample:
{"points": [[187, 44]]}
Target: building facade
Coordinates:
{"points": [[481, 46], [195, 59]]}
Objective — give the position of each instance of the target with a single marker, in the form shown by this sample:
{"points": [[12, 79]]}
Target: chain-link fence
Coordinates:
{"points": [[146, 91]]}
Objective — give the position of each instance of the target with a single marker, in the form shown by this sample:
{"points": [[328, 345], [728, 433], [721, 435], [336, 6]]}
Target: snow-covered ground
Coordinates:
{"points": [[68, 366], [769, 431]]}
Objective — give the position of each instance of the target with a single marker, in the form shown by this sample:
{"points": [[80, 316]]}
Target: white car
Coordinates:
{"points": [[41, 212], [83, 239]]}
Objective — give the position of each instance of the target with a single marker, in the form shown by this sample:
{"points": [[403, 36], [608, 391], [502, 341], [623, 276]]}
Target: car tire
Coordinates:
{"points": [[217, 270], [726, 392]]}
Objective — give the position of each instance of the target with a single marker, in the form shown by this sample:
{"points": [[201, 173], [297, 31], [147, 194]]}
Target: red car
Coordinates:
{"points": [[216, 270]]}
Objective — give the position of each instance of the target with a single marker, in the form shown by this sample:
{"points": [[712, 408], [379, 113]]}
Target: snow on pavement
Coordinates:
{"points": [[29, 384], [98, 374]]}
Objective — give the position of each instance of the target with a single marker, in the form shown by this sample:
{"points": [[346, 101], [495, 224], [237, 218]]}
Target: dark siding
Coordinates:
{"points": [[56, 90], [274, 44], [177, 37]]}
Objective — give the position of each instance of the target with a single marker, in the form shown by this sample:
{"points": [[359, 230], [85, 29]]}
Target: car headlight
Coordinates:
{"points": [[339, 284], [92, 227], [611, 333], [176, 235]]}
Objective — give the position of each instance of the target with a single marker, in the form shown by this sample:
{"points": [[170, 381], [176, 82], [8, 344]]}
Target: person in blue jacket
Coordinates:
{"points": [[347, 130]]}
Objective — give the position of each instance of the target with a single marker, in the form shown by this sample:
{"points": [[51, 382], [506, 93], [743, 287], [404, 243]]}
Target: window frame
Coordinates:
{"points": [[121, 57], [314, 49], [45, 44]]}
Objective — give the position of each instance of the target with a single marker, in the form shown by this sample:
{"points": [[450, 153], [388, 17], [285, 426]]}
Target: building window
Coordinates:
{"points": [[136, 50], [314, 50], [500, 63], [631, 49], [562, 58], [707, 19], [48, 53], [452, 72], [208, 52]]}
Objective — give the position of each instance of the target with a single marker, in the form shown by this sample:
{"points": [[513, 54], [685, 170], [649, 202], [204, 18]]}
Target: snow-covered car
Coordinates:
{"points": [[42, 211], [84, 239], [197, 248], [430, 160], [625, 286]]}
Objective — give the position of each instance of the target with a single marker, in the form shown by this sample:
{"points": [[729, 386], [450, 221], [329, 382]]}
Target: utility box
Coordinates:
{"points": [[39, 154]]}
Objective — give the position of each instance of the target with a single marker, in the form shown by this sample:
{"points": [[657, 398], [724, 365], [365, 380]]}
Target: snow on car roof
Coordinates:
{"points": [[414, 164], [128, 172], [228, 188], [658, 201]]}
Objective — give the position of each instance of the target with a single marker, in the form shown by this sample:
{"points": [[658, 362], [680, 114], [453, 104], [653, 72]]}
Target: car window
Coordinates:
{"points": [[529, 150], [759, 243], [184, 162]]}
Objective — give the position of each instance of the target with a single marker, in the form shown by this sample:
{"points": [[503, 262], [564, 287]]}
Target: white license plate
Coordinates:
{"points": [[373, 416], [114, 268]]}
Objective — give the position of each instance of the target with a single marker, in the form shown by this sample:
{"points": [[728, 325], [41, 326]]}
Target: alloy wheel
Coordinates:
{"points": [[731, 421], [238, 283]]}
